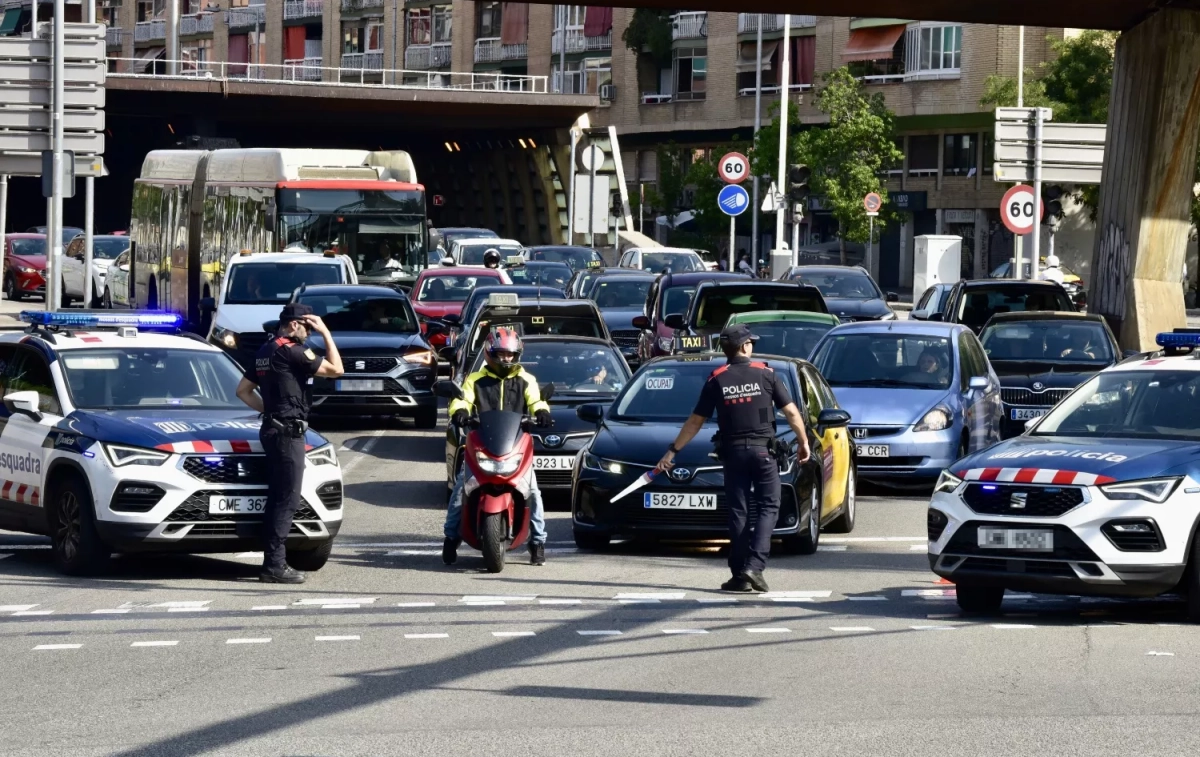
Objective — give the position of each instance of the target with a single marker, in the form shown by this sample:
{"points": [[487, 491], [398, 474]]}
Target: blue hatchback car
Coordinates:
{"points": [[922, 395]]}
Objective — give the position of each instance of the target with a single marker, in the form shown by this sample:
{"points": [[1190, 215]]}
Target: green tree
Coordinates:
{"points": [[667, 193], [649, 32]]}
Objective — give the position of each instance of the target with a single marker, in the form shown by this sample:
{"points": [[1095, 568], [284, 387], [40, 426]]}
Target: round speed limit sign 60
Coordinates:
{"points": [[1020, 209], [733, 168]]}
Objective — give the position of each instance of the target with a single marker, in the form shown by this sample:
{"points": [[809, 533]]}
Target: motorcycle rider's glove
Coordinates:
{"points": [[459, 418], [543, 418]]}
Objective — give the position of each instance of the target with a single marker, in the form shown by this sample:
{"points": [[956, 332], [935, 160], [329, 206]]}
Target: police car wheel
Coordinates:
{"points": [[844, 523], [805, 543], [310, 560], [77, 547], [426, 418], [979, 600], [1191, 582]]}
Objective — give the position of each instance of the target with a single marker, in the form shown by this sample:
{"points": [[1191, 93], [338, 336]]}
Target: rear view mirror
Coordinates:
{"points": [[978, 382], [433, 328], [546, 390], [452, 319], [1029, 424], [592, 412], [1130, 353], [23, 403], [448, 390], [641, 322], [447, 354], [208, 304], [935, 317], [832, 417], [674, 321], [893, 297], [447, 261], [270, 326]]}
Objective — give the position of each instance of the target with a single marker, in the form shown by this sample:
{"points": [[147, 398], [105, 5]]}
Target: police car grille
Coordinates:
{"points": [[195, 508], [228, 469], [625, 337], [1040, 501], [554, 479], [1049, 397], [1052, 568], [369, 364], [331, 495], [1067, 546]]}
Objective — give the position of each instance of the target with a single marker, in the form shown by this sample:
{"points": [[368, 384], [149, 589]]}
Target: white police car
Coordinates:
{"points": [[116, 439], [1101, 496]]}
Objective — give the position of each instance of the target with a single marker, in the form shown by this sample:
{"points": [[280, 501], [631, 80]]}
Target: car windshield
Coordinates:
{"points": [[978, 305], [362, 312], [108, 249], [668, 391], [788, 338], [1004, 270], [273, 283], [575, 257], [472, 254], [843, 285], [1048, 341], [29, 246], [448, 237], [551, 275], [1130, 404], [448, 288], [886, 359], [677, 300], [531, 323], [106, 379], [678, 262], [716, 304], [573, 367], [620, 292]]}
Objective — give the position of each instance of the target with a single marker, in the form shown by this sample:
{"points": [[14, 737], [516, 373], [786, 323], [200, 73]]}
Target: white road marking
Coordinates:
{"points": [[918, 548], [717, 600], [485, 603], [249, 555], [180, 604], [335, 601], [427, 636], [768, 630], [598, 633], [188, 609], [510, 634], [776, 596], [16, 608], [873, 598], [154, 644], [651, 595], [831, 548], [1017, 597], [40, 647], [338, 638], [33, 612], [269, 607], [1011, 626], [560, 601], [929, 593], [640, 601], [851, 629], [6, 554], [1160, 654], [674, 631], [265, 640], [114, 611], [870, 539], [363, 452], [498, 598], [416, 604], [411, 552], [340, 607], [932, 628], [943, 616]]}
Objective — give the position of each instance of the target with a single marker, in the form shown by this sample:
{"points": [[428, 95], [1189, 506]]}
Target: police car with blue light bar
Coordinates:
{"points": [[1101, 496], [119, 434]]}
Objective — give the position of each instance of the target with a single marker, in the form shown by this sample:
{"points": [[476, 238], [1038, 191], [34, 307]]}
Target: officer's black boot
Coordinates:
{"points": [[285, 575], [738, 584], [450, 551], [756, 580], [537, 554]]}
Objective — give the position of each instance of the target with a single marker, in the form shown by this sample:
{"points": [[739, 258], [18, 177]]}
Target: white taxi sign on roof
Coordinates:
{"points": [[503, 300], [514, 260]]}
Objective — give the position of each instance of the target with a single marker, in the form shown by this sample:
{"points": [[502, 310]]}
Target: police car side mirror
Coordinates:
{"points": [[832, 417], [934, 317], [1029, 424], [23, 403], [592, 412], [641, 322], [1130, 353], [448, 390], [447, 354], [674, 321]]}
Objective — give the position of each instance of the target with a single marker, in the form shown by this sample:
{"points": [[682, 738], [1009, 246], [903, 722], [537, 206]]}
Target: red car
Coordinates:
{"points": [[24, 264], [439, 292]]}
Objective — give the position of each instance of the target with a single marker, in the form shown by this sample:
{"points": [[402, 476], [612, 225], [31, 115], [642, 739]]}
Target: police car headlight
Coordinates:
{"points": [[498, 467], [322, 456], [947, 482], [937, 419], [600, 464], [225, 338], [1149, 490], [120, 455]]}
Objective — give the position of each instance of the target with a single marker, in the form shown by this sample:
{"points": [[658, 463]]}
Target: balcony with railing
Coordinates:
{"points": [[371, 60], [689, 25], [201, 23], [425, 57], [297, 9], [771, 22], [361, 5], [578, 43], [247, 17], [147, 31], [114, 36], [304, 69], [490, 50]]}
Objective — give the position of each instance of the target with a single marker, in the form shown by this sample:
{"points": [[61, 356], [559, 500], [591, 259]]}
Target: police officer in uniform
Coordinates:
{"points": [[744, 394], [283, 372]]}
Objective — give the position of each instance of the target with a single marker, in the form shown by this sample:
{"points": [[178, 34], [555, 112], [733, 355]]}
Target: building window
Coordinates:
{"points": [[933, 50], [959, 154], [923, 155], [691, 73], [420, 26], [572, 14], [989, 152], [574, 77], [442, 23], [149, 10], [488, 20], [596, 72]]}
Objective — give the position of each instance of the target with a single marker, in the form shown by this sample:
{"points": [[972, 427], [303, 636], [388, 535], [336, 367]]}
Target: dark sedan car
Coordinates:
{"points": [[582, 370], [540, 273], [621, 298], [1041, 357], [390, 368], [460, 322], [972, 303], [577, 258], [849, 291], [714, 302], [689, 500], [671, 294], [581, 283]]}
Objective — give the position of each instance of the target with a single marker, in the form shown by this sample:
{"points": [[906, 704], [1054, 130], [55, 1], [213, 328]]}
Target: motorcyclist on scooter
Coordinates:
{"points": [[502, 384]]}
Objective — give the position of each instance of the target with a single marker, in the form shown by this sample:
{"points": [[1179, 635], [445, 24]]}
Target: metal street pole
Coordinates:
{"points": [[395, 63], [1018, 240], [754, 207], [732, 242], [54, 225], [1035, 256], [871, 243], [571, 194], [3, 222], [562, 49], [781, 174], [89, 202], [591, 215], [172, 37]]}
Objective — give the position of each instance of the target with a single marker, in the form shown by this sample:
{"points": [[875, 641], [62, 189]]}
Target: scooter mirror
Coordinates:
{"points": [[547, 391]]}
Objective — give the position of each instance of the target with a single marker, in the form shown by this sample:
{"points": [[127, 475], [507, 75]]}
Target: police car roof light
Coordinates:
{"points": [[1179, 338], [163, 321]]}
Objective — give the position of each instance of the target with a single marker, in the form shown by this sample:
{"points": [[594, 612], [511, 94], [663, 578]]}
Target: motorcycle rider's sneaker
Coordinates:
{"points": [[450, 551], [285, 575], [756, 580], [537, 554], [737, 584]]}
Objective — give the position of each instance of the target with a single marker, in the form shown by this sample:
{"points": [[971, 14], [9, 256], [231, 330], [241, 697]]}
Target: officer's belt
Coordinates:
{"points": [[293, 426], [754, 442]]}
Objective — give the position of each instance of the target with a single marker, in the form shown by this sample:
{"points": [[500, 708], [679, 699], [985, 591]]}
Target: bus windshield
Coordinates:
{"points": [[382, 231]]}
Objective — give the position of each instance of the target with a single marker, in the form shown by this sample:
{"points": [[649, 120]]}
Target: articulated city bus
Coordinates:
{"points": [[193, 209]]}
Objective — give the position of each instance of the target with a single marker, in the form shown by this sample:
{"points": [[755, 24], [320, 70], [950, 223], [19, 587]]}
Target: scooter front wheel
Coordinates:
{"points": [[494, 543]]}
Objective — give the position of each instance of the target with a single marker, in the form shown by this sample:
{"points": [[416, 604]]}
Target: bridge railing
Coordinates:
{"points": [[308, 72]]}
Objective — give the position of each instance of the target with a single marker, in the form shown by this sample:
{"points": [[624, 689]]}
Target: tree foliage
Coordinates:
{"points": [[649, 32]]}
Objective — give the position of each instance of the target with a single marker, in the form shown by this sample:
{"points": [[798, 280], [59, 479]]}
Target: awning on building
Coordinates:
{"points": [[747, 62], [12, 20], [875, 43], [145, 59]]}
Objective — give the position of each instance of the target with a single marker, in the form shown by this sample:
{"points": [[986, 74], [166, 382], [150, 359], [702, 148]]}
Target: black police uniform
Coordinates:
{"points": [[283, 370], [744, 394]]}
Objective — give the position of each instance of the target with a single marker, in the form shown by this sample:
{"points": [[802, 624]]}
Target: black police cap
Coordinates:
{"points": [[737, 335], [294, 311]]}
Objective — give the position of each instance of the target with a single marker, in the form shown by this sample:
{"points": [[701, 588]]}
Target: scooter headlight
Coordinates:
{"points": [[504, 467]]}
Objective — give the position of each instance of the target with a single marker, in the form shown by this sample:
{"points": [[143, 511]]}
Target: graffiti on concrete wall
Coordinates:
{"points": [[1111, 274]]}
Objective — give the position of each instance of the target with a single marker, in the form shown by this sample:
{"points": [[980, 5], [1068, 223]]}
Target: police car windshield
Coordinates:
{"points": [[788, 338], [668, 391], [621, 292], [1048, 341], [273, 283], [678, 262], [357, 312], [843, 285], [114, 379], [886, 359], [449, 288], [544, 274], [1130, 404], [472, 254], [573, 368]]}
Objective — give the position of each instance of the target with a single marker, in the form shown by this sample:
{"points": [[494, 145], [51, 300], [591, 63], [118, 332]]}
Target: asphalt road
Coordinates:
{"points": [[634, 652]]}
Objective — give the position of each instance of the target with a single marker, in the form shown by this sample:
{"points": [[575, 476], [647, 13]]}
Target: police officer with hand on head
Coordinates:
{"points": [[283, 371], [745, 394]]}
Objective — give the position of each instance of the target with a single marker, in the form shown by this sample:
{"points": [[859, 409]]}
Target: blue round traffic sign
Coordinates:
{"points": [[733, 200]]}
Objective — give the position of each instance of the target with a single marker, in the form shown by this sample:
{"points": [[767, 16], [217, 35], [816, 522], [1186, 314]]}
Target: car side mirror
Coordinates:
{"points": [[23, 403], [591, 412], [1130, 353], [893, 297], [978, 382], [935, 317], [208, 304], [447, 390], [447, 354], [447, 261], [270, 326], [832, 417], [1029, 424], [452, 319], [674, 321], [641, 322], [433, 328]]}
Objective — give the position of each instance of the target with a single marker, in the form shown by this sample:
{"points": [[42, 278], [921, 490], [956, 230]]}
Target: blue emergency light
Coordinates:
{"points": [[149, 321], [1179, 338]]}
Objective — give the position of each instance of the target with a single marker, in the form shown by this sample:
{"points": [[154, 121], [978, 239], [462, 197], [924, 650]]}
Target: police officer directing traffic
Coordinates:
{"points": [[283, 372], [744, 395]]}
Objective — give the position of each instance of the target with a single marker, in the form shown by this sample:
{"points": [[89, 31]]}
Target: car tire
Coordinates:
{"points": [[426, 418], [75, 544], [493, 542], [11, 293], [1191, 582], [63, 300], [310, 560], [592, 542], [979, 600], [806, 543], [844, 523], [106, 300]]}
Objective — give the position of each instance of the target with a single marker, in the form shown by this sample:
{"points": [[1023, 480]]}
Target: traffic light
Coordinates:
{"points": [[1052, 203], [797, 190]]}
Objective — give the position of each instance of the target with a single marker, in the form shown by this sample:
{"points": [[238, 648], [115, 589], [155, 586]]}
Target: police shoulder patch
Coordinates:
{"points": [[310, 354]]}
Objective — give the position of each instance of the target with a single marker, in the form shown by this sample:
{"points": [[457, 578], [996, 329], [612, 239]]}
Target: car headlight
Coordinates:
{"points": [[225, 338], [600, 464], [423, 357], [27, 269], [666, 344], [322, 456], [498, 467], [1149, 490], [947, 482], [120, 455], [937, 419]]}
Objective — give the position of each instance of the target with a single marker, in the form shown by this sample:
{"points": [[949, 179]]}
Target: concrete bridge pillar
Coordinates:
{"points": [[1149, 170]]}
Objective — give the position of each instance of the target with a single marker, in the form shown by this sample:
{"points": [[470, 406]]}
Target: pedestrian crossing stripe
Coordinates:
{"points": [[25, 494]]}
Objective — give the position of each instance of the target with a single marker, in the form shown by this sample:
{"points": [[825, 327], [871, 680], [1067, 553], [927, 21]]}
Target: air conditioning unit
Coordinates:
{"points": [[608, 92]]}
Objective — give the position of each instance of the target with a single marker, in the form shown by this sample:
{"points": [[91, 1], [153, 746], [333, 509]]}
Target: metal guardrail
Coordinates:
{"points": [[242, 18], [114, 36], [305, 73], [771, 22], [201, 23], [655, 98], [145, 31], [490, 50], [358, 5], [774, 89], [425, 57], [689, 25], [578, 43], [371, 60], [293, 9]]}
